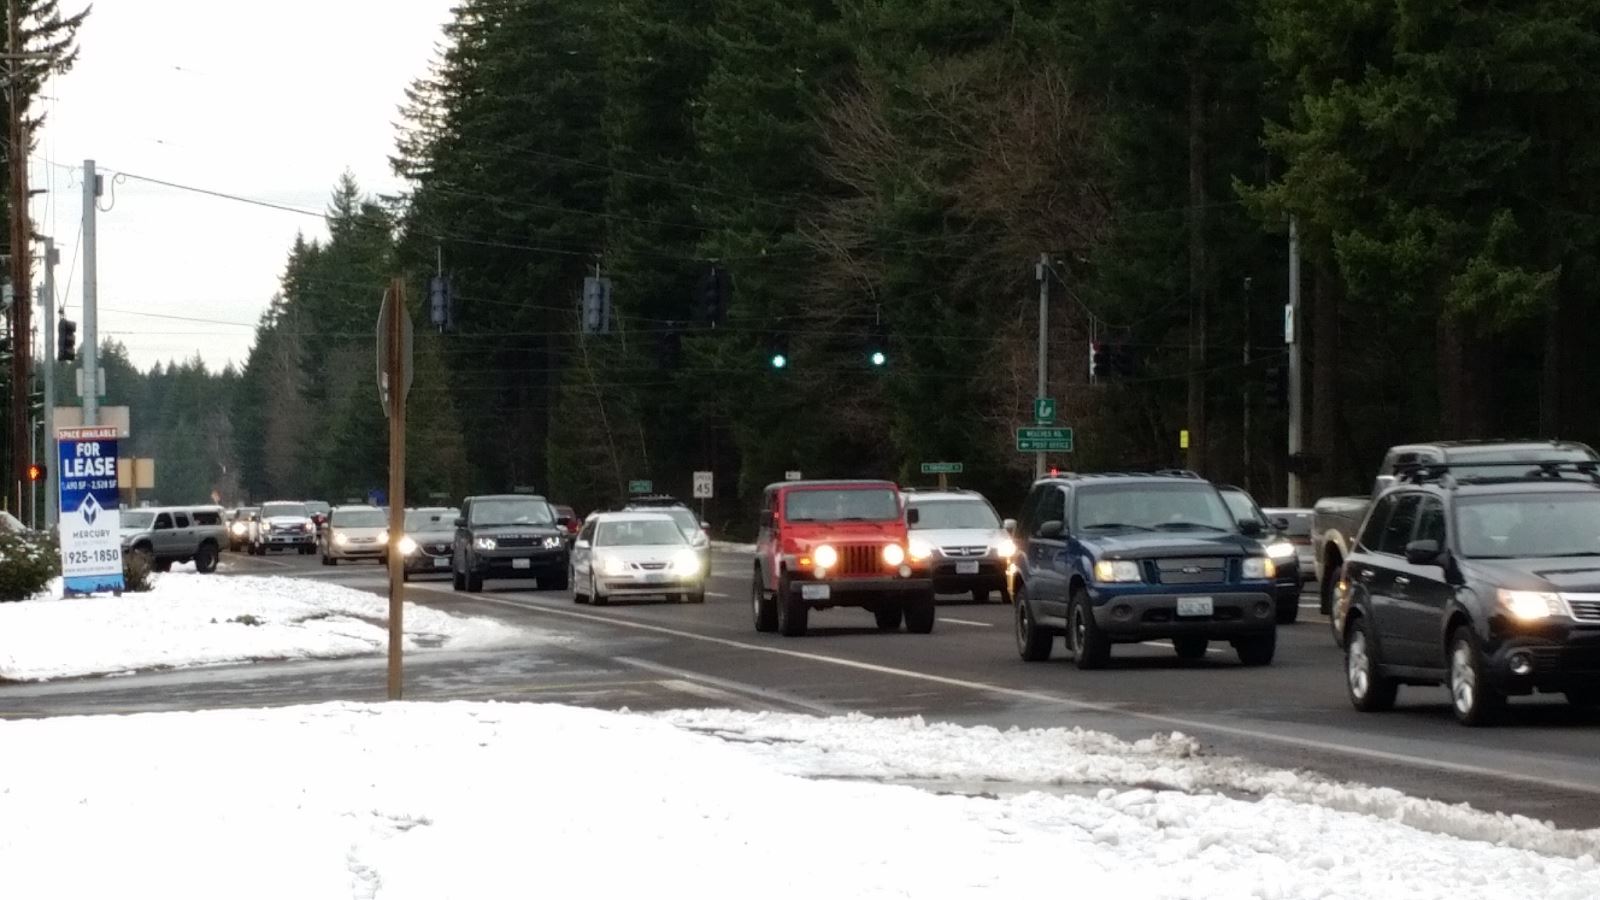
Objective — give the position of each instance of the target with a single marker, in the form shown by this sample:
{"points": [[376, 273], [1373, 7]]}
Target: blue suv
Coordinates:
{"points": [[1128, 557]]}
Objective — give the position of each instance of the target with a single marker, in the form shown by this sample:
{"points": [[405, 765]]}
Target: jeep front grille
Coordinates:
{"points": [[860, 559]]}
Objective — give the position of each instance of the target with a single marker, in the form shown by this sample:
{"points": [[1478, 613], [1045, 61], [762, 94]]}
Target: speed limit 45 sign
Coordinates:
{"points": [[702, 486]]}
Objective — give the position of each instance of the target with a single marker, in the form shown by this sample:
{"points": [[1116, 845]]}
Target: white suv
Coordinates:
{"points": [[966, 545]]}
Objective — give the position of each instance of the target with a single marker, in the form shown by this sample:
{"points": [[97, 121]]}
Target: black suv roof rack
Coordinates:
{"points": [[1156, 473], [937, 490], [1533, 470]]}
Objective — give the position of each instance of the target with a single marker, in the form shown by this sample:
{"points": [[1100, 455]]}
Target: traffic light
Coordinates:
{"points": [[778, 350], [878, 346], [36, 472], [66, 340], [1276, 390], [1099, 359], [669, 346], [711, 296]]}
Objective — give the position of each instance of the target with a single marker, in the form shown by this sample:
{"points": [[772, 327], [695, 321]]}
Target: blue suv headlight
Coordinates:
{"points": [[1112, 571], [1256, 568]]}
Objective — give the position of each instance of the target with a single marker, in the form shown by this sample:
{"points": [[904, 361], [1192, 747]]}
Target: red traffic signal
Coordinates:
{"points": [[36, 472]]}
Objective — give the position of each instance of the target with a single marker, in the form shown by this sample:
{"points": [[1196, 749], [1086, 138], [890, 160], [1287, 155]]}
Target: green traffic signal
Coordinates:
{"points": [[779, 361], [878, 358]]}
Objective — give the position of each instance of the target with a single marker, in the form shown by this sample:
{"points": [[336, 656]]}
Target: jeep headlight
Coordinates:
{"points": [[894, 554], [613, 566], [685, 562], [1258, 567], [825, 556], [1112, 571], [484, 543], [920, 549], [1006, 547], [1528, 606], [340, 538], [407, 545], [1280, 550]]}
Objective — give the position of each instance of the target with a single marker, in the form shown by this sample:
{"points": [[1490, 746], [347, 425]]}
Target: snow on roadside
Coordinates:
{"points": [[731, 547], [858, 746], [413, 800], [188, 620]]}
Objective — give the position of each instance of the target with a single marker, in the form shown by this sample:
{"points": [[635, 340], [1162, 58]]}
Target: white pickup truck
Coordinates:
{"points": [[1336, 521]]}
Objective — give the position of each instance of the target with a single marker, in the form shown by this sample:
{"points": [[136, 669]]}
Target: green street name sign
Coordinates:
{"points": [[941, 468], [1039, 439], [1044, 410], [640, 487]]}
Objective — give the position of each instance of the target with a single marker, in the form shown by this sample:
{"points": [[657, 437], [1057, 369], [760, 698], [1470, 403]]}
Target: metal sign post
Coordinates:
{"points": [[395, 370]]}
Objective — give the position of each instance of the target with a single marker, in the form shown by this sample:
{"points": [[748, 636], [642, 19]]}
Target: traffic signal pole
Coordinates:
{"points": [[47, 416], [21, 437], [91, 286], [1291, 336], [1042, 272]]}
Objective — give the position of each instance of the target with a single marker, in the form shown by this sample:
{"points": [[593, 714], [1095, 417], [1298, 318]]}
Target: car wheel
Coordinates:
{"points": [[1259, 650], [889, 617], [921, 612], [1288, 610], [163, 565], [558, 582], [792, 611], [1190, 647], [1474, 700], [1370, 691], [1329, 588], [458, 581], [578, 596], [1090, 646], [474, 583], [1033, 643], [763, 606], [205, 559], [980, 595], [696, 596]]}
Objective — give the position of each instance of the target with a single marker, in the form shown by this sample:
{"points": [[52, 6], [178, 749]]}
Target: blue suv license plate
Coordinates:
{"points": [[1194, 606]]}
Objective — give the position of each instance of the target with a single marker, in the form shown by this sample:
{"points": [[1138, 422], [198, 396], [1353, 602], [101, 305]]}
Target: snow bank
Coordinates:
{"points": [[495, 800], [189, 620], [731, 547], [858, 746]]}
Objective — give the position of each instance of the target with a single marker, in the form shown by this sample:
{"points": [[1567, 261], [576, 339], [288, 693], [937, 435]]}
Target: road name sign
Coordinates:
{"points": [[1042, 439], [942, 468], [792, 475], [640, 486]]}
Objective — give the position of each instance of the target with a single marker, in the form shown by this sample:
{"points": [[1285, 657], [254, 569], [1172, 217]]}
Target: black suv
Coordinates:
{"points": [[1129, 557], [508, 536], [1484, 578]]}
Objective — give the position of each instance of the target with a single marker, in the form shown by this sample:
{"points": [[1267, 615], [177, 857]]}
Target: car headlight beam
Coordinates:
{"points": [[686, 562], [484, 543], [1006, 547], [1258, 567], [407, 545], [825, 556], [1113, 571], [1529, 606], [894, 554], [340, 538], [613, 566], [919, 549], [1280, 550]]}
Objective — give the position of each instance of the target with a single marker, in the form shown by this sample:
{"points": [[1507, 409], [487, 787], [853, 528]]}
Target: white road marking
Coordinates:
{"points": [[1167, 721], [966, 622]]}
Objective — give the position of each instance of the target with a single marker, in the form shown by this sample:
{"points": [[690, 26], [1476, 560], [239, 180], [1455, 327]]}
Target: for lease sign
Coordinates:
{"points": [[91, 526]]}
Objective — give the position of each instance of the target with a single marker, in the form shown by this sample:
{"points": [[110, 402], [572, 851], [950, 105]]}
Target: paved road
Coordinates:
{"points": [[1542, 763]]}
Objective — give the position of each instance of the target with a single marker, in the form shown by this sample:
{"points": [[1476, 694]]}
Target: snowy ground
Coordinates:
{"points": [[499, 800], [189, 620]]}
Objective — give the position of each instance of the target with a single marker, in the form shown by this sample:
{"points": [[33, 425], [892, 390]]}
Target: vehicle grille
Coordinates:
{"points": [[515, 542], [1568, 660], [964, 552], [1211, 570], [860, 559], [287, 529], [1586, 610], [437, 549], [651, 566]]}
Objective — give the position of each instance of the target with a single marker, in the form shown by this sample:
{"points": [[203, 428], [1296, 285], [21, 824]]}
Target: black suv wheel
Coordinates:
{"points": [[1472, 697], [1369, 690], [1090, 645]]}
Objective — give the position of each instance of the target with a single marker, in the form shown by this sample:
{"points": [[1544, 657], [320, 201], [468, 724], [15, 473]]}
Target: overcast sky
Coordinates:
{"points": [[270, 101]]}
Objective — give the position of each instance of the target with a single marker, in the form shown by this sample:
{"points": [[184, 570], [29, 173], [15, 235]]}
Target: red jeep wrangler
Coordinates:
{"points": [[837, 543]]}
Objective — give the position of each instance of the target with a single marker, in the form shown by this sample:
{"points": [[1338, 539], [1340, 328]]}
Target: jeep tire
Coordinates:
{"points": [[888, 616], [763, 605], [921, 612]]}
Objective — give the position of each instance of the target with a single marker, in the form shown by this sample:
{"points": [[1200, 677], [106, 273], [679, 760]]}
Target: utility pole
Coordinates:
{"points": [[1042, 273], [1291, 336], [47, 371], [1245, 381], [91, 337], [21, 438]]}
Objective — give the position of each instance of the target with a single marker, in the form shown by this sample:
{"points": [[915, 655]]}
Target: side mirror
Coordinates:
{"points": [[1250, 528], [1051, 529], [1010, 527], [705, 526], [582, 544], [461, 522], [913, 516], [1280, 522], [1381, 484], [1422, 553]]}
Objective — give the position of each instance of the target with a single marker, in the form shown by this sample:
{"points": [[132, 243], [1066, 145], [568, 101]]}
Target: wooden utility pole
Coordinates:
{"points": [[399, 361], [21, 283]]}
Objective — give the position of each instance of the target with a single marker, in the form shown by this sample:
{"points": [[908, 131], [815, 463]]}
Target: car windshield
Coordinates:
{"points": [[1150, 507], [638, 533], [316, 507], [272, 510], [1526, 526], [1242, 506], [947, 514], [512, 511], [842, 505], [139, 520], [431, 519], [360, 518], [685, 519], [245, 512]]}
